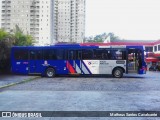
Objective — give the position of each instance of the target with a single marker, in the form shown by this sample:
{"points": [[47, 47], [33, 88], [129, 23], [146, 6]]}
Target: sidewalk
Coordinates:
{"points": [[10, 80]]}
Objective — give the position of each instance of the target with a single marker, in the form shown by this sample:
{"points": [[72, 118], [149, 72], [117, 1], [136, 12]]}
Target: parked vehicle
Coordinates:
{"points": [[78, 59], [152, 68]]}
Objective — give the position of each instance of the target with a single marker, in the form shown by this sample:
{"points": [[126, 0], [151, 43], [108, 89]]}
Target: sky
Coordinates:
{"points": [[128, 19]]}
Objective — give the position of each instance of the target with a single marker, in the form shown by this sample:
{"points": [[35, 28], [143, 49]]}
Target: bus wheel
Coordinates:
{"points": [[50, 72], [118, 73]]}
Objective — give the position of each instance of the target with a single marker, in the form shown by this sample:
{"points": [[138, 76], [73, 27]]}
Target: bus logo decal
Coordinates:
{"points": [[89, 63], [45, 62]]}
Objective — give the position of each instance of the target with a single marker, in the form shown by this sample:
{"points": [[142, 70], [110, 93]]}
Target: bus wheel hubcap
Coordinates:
{"points": [[117, 73], [50, 72]]}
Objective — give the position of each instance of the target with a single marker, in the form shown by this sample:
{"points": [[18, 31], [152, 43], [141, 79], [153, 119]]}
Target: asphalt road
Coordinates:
{"points": [[131, 93]]}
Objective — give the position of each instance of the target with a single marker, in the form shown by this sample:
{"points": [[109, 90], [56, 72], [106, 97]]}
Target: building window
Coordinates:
{"points": [[158, 47], [149, 49], [155, 48]]}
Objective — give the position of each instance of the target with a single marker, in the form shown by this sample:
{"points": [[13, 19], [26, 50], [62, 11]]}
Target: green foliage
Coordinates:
{"points": [[5, 44], [4, 56], [3, 34], [113, 36], [17, 38], [7, 41], [22, 39], [102, 37]]}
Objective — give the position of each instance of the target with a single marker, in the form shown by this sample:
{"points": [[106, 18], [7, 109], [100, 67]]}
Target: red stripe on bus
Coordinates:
{"points": [[70, 68]]}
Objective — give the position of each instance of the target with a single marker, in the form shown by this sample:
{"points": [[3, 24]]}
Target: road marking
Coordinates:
{"points": [[20, 82]]}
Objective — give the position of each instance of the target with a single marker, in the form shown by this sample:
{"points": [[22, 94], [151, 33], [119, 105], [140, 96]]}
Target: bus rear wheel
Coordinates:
{"points": [[118, 73], [50, 72]]}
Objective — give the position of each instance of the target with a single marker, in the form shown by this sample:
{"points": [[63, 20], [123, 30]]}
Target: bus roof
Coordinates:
{"points": [[83, 45]]}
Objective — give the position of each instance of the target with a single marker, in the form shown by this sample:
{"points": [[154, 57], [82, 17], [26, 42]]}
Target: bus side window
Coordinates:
{"points": [[39, 55], [100, 54], [32, 55], [21, 54], [87, 54], [72, 55], [123, 55], [49, 54], [117, 55], [97, 54], [113, 55], [65, 54], [79, 55], [60, 54], [109, 56], [36, 55], [104, 56]]}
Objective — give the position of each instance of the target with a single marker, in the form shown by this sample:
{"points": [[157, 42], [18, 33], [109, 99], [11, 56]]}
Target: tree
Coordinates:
{"points": [[22, 39], [113, 36], [7, 41], [3, 34], [98, 38], [102, 37], [5, 45]]}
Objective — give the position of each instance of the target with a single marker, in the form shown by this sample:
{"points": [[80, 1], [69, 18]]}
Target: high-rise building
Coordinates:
{"points": [[69, 20], [34, 17], [48, 21]]}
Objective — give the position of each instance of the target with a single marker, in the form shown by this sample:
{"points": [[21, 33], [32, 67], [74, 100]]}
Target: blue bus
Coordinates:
{"points": [[78, 59]]}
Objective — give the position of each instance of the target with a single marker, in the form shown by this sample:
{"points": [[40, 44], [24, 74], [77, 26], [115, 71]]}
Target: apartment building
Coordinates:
{"points": [[0, 13], [48, 21], [34, 17], [69, 20]]}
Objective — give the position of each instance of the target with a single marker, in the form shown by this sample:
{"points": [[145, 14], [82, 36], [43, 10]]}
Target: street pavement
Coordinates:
{"points": [[131, 93], [9, 80]]}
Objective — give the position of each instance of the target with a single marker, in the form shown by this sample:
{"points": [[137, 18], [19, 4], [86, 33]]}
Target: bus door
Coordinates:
{"points": [[74, 64], [35, 61], [132, 61]]}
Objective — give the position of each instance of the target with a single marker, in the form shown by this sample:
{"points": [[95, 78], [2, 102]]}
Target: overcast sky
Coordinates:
{"points": [[128, 19]]}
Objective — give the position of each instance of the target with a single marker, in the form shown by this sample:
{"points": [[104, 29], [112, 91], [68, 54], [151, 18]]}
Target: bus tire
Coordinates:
{"points": [[50, 72], [118, 73]]}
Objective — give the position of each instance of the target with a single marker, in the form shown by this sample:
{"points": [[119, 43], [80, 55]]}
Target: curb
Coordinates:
{"points": [[16, 83]]}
